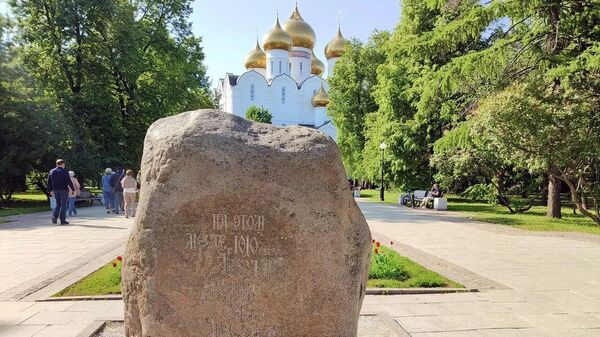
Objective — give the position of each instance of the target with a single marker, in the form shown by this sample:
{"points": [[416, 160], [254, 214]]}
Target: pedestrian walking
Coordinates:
{"points": [[107, 190], [59, 184], [129, 184], [117, 190], [73, 194]]}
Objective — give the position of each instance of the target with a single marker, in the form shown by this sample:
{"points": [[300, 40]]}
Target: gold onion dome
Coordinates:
{"points": [[277, 38], [301, 32], [317, 67], [256, 58], [321, 98], [336, 47]]}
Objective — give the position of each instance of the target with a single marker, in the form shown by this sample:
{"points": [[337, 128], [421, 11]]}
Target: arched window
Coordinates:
{"points": [[301, 71], [290, 67], [272, 68], [252, 92], [283, 95], [280, 68]]}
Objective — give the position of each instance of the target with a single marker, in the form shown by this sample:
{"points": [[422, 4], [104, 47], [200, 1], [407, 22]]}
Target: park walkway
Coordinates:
{"points": [[38, 258], [532, 284]]}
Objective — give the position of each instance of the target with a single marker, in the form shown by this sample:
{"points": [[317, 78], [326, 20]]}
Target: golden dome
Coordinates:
{"points": [[277, 38], [336, 47], [321, 98], [317, 68], [301, 32], [256, 58]]}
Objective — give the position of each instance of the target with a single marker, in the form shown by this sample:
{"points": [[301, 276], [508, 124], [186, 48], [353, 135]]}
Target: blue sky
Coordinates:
{"points": [[228, 27]]}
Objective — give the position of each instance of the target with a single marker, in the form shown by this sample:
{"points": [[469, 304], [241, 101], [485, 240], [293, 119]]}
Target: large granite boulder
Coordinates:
{"points": [[244, 230]]}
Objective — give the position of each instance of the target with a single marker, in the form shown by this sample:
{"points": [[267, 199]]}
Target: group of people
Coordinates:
{"points": [[119, 190]]}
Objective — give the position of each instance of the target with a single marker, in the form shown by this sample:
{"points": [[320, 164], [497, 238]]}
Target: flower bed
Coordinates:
{"points": [[392, 270], [388, 270]]}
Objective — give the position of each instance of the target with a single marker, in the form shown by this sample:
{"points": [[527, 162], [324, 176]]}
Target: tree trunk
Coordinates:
{"points": [[544, 189], [554, 204]]}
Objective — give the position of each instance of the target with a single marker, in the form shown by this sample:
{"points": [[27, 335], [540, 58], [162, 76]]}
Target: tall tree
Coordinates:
{"points": [[26, 132], [413, 110], [351, 97], [113, 67]]}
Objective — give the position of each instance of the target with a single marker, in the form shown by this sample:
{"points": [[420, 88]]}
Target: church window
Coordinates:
{"points": [[301, 71], [280, 68], [283, 95], [252, 92]]}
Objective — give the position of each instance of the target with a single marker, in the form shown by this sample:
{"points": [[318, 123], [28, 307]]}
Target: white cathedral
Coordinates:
{"points": [[286, 78]]}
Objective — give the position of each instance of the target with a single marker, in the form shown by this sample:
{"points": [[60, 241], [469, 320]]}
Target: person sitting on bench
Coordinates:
{"points": [[435, 193]]}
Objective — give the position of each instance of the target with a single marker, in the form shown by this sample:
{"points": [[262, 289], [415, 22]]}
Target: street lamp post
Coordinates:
{"points": [[382, 147]]}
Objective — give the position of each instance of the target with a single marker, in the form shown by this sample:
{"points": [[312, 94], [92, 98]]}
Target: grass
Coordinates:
{"points": [[104, 281], [25, 203], [391, 270], [533, 220]]}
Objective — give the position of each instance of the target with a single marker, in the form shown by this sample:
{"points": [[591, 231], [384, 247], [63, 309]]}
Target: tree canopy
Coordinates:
{"points": [[499, 93], [99, 73]]}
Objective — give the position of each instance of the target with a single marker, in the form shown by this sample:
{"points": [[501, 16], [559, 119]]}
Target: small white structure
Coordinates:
{"points": [[440, 204], [286, 77]]}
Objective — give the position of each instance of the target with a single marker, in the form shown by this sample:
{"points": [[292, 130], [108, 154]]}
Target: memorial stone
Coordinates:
{"points": [[244, 230]]}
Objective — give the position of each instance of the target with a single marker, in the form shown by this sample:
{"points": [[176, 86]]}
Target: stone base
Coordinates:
{"points": [[376, 325]]}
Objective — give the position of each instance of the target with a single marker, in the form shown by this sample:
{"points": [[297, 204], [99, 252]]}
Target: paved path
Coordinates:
{"points": [[37, 259], [534, 284]]}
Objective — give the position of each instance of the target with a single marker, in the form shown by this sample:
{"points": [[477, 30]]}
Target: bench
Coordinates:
{"points": [[412, 197], [88, 198]]}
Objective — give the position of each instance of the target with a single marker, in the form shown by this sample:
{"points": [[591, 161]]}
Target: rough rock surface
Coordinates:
{"points": [[244, 230]]}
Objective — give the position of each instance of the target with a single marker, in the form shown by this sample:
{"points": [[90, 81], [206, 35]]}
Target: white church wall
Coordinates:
{"points": [[300, 63], [251, 89], [277, 63], [285, 111]]}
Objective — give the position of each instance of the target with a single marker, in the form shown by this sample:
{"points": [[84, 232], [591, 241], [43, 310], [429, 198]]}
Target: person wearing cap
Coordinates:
{"points": [[59, 184], [107, 189], [73, 194]]}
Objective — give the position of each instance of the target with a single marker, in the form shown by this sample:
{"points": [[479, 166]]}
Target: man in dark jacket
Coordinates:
{"points": [[59, 182], [117, 190]]}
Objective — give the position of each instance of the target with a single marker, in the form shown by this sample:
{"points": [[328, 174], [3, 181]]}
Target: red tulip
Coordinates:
{"points": [[376, 251], [373, 240], [119, 258], [114, 264], [378, 244]]}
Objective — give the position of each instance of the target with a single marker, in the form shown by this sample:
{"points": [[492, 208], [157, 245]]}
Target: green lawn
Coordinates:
{"points": [[104, 281], [392, 270], [533, 220], [25, 203]]}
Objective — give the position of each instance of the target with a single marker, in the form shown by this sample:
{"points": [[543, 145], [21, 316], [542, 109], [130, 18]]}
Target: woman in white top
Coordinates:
{"points": [[129, 185]]}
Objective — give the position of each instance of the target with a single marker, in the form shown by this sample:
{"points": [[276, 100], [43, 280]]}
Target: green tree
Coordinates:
{"points": [[553, 43], [112, 68], [26, 131], [257, 114], [351, 87], [413, 111]]}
